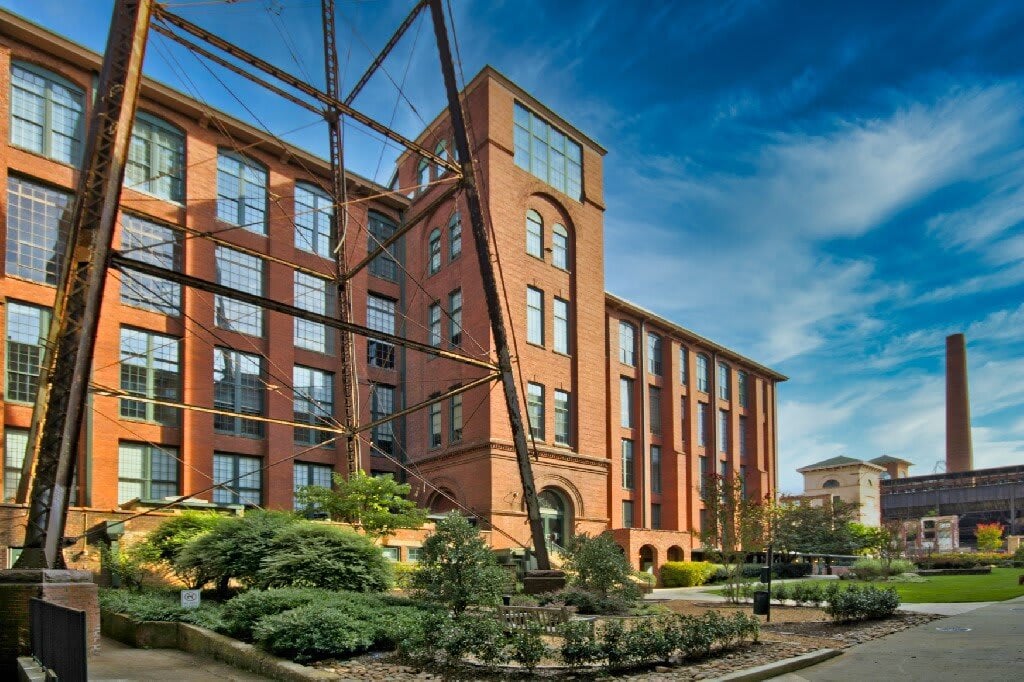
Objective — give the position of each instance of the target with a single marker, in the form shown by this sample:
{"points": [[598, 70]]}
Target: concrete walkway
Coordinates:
{"points": [[984, 644], [117, 661]]}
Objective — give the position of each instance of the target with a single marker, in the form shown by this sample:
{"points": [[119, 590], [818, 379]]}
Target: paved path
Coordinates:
{"points": [[117, 661], [988, 645]]}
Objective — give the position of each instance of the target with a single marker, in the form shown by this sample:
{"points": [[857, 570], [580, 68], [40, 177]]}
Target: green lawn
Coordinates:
{"points": [[999, 585]]}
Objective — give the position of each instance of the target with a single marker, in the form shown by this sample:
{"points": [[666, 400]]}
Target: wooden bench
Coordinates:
{"points": [[523, 617]]}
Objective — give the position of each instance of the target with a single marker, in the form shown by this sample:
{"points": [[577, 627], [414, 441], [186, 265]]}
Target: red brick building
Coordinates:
{"points": [[217, 198]]}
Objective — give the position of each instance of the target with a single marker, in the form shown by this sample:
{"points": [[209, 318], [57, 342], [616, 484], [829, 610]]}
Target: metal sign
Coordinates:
{"points": [[190, 599]]}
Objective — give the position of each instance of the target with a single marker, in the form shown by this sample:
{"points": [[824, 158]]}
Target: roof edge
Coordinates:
{"points": [[640, 311]]}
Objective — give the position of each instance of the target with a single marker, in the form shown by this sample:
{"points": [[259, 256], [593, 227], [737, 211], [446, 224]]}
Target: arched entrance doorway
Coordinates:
{"points": [[648, 557], [442, 502], [556, 514]]}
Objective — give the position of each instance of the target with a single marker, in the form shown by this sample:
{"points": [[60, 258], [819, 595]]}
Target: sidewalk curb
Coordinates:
{"points": [[769, 670]]}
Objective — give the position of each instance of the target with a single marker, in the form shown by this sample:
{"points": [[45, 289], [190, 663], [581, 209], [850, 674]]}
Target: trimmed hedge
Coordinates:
{"points": [[862, 603], [958, 560], [686, 573]]}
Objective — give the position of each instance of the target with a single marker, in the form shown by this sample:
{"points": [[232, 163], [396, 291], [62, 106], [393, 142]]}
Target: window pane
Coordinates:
{"points": [[380, 229], [15, 447], [243, 272], [241, 193], [36, 230], [535, 409], [534, 234], [626, 402], [627, 464], [535, 316], [454, 236], [561, 325], [317, 296], [46, 114], [27, 328], [380, 316], [150, 368], [156, 158], [313, 214], [156, 244], [562, 418], [382, 404], [314, 404], [237, 387], [546, 153]]}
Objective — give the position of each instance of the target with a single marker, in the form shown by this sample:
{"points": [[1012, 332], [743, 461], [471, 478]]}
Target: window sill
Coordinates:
{"points": [[564, 355], [72, 166], [536, 345], [173, 202]]}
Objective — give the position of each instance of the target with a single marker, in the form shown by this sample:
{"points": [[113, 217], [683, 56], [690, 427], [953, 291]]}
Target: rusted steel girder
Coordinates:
{"points": [[372, 69], [58, 417], [483, 254]]}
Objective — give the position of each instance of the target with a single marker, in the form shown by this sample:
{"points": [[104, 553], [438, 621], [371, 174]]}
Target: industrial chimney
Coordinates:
{"points": [[959, 452]]}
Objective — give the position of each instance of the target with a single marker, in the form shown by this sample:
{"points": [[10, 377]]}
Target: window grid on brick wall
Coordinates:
{"points": [[315, 295], [314, 211], [241, 192], [146, 472], [237, 387], [46, 113], [535, 409], [248, 489], [156, 159], [156, 244], [382, 404], [313, 391], [36, 230], [150, 368], [380, 316], [547, 153], [379, 230], [563, 418], [27, 328], [245, 273], [15, 447]]}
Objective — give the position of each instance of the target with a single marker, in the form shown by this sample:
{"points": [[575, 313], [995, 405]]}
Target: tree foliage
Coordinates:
{"points": [[234, 548], [816, 530], [597, 564], [377, 505], [308, 554], [990, 536], [456, 568], [734, 526]]}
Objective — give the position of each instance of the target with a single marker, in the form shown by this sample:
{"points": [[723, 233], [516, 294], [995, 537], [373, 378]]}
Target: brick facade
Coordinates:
{"points": [[473, 467]]}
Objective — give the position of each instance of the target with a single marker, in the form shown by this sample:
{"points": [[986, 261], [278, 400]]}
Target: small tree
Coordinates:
{"points": [[824, 529], [990, 536], [597, 564], [377, 505], [164, 544], [735, 526], [234, 548], [456, 568]]}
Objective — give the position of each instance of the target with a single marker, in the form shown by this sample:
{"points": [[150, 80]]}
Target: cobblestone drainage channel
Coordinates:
{"points": [[954, 628]]}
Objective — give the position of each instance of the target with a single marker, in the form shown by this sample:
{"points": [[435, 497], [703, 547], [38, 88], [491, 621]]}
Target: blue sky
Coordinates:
{"points": [[828, 189]]}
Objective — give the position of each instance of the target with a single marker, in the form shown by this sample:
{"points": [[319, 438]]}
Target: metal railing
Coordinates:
{"points": [[59, 639]]}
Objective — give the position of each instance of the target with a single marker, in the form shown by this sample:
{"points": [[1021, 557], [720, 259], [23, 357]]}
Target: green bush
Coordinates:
{"points": [[242, 613], [171, 536], [527, 647], [960, 560], [783, 591], [160, 606], [579, 645], [875, 569], [862, 603], [310, 554], [333, 625], [589, 603], [686, 573], [313, 632], [234, 548], [456, 567], [402, 573]]}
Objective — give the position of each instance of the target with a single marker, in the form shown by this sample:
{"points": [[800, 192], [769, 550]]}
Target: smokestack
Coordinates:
{"points": [[959, 452]]}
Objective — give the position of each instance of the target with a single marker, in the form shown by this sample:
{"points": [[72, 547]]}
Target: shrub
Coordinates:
{"points": [[579, 645], [242, 613], [793, 570], [312, 632], [234, 547], [402, 574], [456, 568], [309, 554], [1018, 556], [686, 573], [171, 536], [960, 560], [160, 606], [597, 564], [875, 569], [126, 565], [527, 647], [588, 603], [782, 592], [862, 603]]}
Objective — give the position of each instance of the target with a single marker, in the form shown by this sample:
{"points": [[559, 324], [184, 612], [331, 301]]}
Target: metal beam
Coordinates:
{"points": [[494, 308], [339, 227], [120, 262], [372, 69], [203, 52], [81, 283], [403, 229], [299, 85], [429, 401]]}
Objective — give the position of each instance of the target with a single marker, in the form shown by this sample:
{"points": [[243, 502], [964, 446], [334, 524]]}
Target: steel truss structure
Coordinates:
{"points": [[64, 378]]}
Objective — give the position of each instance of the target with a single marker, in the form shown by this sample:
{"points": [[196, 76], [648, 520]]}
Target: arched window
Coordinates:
{"points": [[156, 158], [422, 176], [627, 344], [313, 211], [442, 150], [559, 247], [46, 113], [534, 234], [434, 249], [702, 372], [454, 236], [830, 483]]}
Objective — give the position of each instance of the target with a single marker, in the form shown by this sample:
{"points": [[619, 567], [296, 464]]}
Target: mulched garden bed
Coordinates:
{"points": [[794, 630]]}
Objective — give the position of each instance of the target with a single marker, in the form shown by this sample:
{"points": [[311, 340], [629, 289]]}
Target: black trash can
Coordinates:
{"points": [[761, 603]]}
